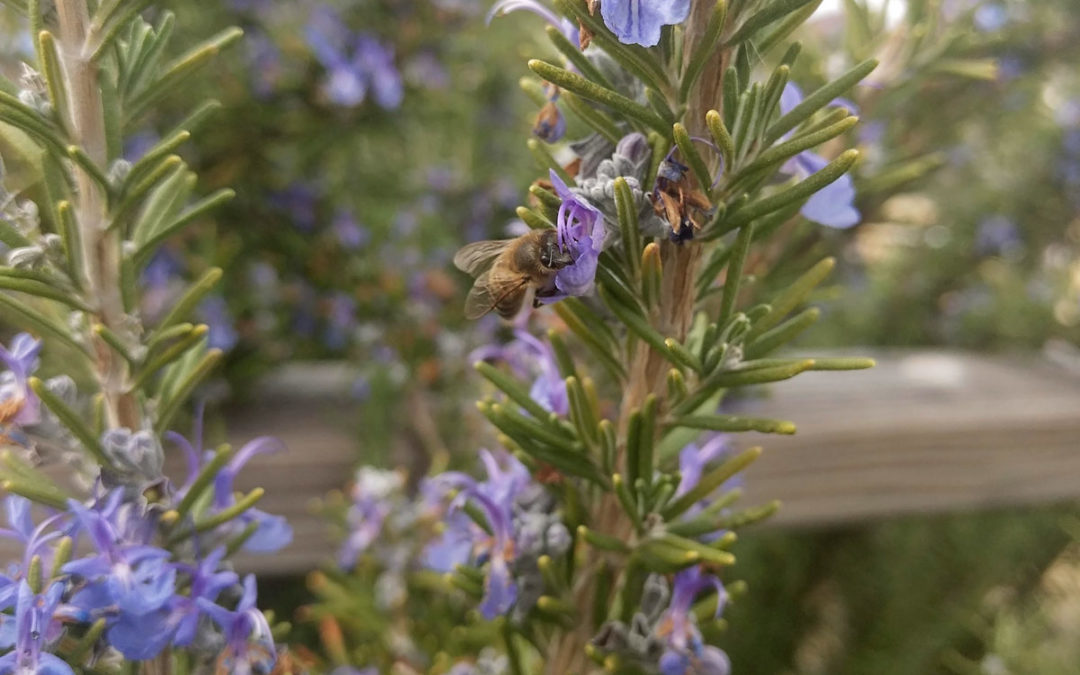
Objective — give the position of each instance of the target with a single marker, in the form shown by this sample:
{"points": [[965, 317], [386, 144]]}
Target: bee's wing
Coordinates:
{"points": [[495, 290], [480, 300], [478, 256]]}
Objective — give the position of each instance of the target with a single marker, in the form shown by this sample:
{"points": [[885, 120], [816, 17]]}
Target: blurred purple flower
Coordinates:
{"points": [[581, 232], [214, 312], [1010, 67], [463, 540], [138, 144], [833, 205], [371, 505], [426, 71], [272, 532], [18, 404], [693, 461], [299, 202], [249, 646], [685, 653], [550, 125], [1067, 116], [32, 540], [639, 21], [361, 388], [531, 358], [206, 582], [355, 63], [991, 17], [998, 235], [266, 63], [36, 626], [129, 583], [341, 321], [303, 318], [872, 132], [440, 177], [160, 280], [568, 28]]}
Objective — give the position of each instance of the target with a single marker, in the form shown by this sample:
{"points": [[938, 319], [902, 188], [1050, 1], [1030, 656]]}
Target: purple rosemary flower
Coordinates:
{"points": [[685, 653], [567, 27], [550, 124], [299, 202], [350, 234], [998, 235], [18, 404], [464, 541], [371, 505], [529, 357], [206, 582], [36, 627], [341, 321], [833, 205], [32, 538], [249, 646], [355, 63], [128, 583], [581, 232], [693, 461], [427, 71], [266, 64], [272, 532], [138, 144], [522, 525], [639, 21]]}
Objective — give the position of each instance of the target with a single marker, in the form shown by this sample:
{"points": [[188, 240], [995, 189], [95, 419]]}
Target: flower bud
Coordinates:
{"points": [[137, 453]]}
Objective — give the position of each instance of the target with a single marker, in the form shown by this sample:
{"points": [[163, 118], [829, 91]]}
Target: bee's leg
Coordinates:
{"points": [[544, 293]]}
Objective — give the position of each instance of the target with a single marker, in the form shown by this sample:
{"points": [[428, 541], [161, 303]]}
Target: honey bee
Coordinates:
{"points": [[511, 272]]}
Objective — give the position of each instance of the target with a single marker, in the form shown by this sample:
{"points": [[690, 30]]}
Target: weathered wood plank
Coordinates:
{"points": [[923, 432]]}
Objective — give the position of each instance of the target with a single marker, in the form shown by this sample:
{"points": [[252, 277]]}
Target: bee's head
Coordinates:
{"points": [[551, 255]]}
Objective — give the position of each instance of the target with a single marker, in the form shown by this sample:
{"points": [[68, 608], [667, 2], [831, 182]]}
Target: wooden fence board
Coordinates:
{"points": [[923, 432]]}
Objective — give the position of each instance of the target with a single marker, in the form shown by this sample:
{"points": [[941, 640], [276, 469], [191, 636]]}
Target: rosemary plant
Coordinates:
{"points": [[154, 584], [600, 537]]}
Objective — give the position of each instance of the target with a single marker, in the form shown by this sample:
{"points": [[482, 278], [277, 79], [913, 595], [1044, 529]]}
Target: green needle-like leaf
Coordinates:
{"points": [[704, 49], [204, 478], [791, 195], [595, 92], [191, 298], [774, 11], [818, 100], [72, 420], [734, 273], [791, 297], [547, 161], [734, 423], [575, 56], [782, 334], [722, 137], [691, 156], [710, 482], [512, 388]]}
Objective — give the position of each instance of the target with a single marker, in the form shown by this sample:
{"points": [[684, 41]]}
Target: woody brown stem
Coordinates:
{"points": [[100, 247], [648, 369]]}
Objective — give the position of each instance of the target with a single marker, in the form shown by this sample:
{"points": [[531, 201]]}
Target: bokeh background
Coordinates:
{"points": [[368, 139]]}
